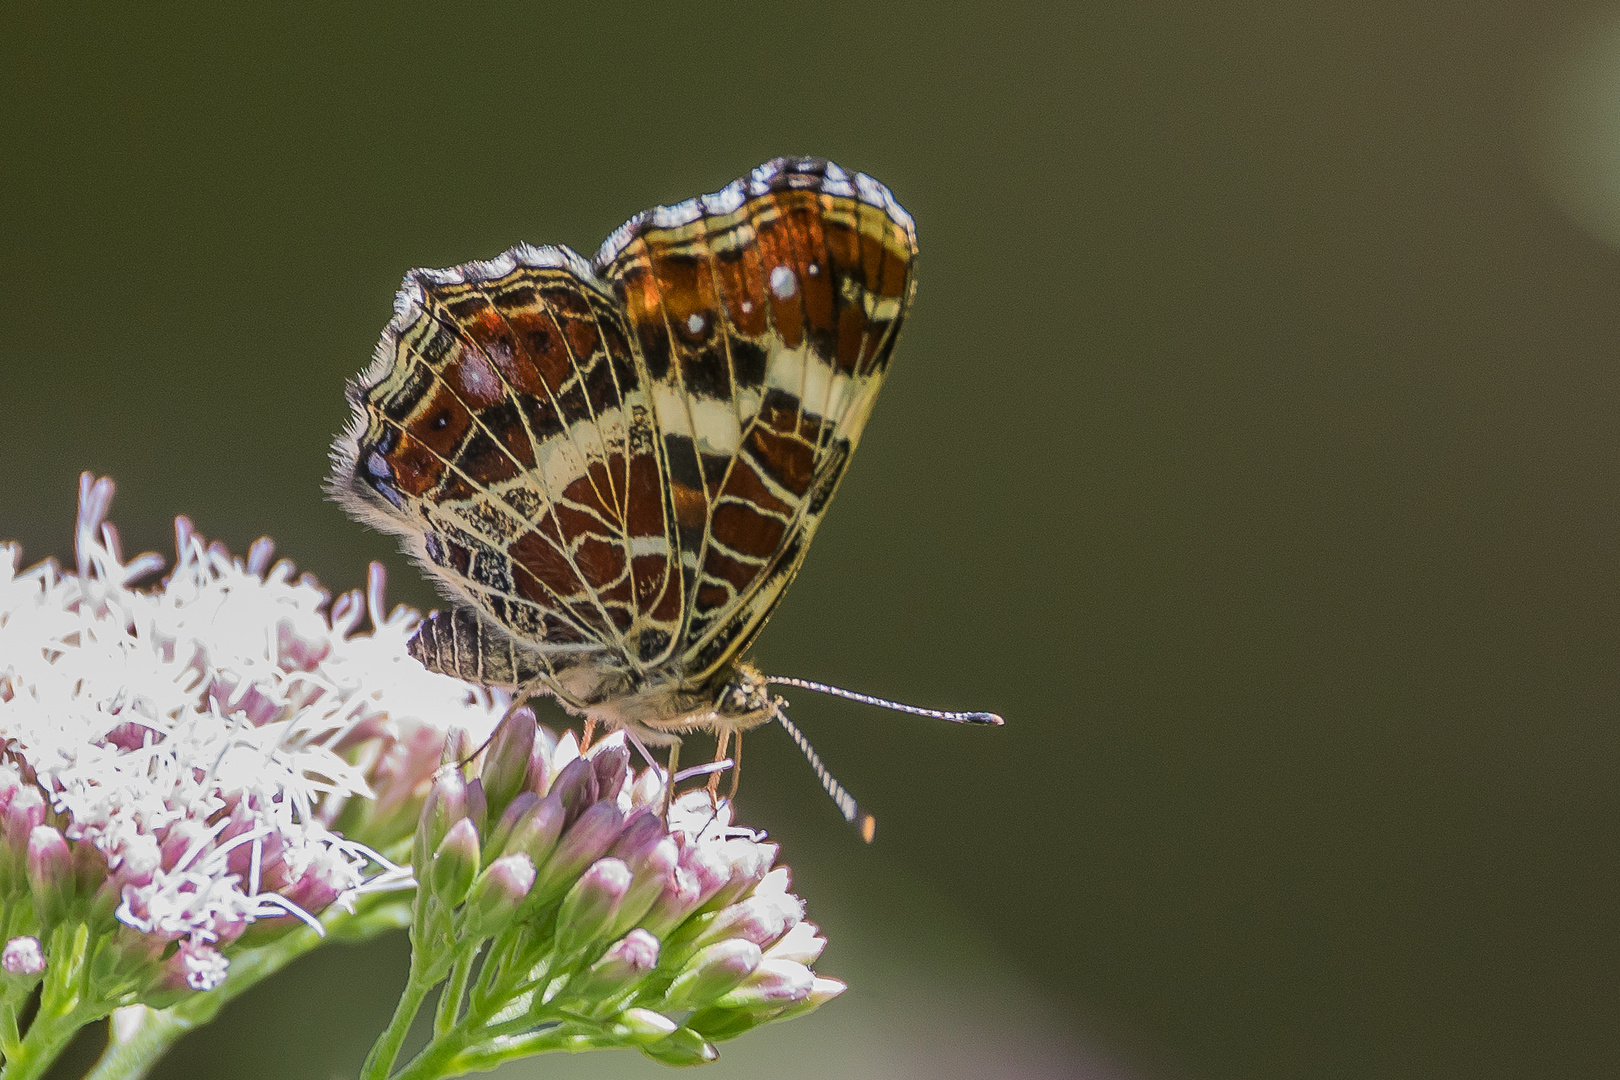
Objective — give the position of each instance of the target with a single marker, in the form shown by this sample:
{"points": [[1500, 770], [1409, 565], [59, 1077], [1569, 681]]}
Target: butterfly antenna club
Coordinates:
{"points": [[840, 796]]}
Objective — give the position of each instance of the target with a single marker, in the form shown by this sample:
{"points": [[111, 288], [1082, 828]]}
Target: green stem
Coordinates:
{"points": [[46, 1038], [449, 1010], [133, 1056], [65, 1004], [10, 1038], [386, 1049], [434, 1060]]}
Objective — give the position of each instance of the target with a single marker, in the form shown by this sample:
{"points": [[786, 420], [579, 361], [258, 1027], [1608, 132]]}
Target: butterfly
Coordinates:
{"points": [[613, 469]]}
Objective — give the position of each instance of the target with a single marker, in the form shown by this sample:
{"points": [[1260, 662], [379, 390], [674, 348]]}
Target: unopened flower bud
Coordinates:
{"points": [[580, 846], [498, 893], [477, 804], [50, 873], [760, 919], [496, 837], [445, 805], [455, 863], [506, 762], [645, 1026], [821, 992], [626, 962], [749, 865], [536, 830], [22, 956], [576, 787], [27, 810], [678, 899], [642, 828], [773, 984], [538, 777], [589, 907], [612, 765], [683, 1047], [654, 868], [712, 972]]}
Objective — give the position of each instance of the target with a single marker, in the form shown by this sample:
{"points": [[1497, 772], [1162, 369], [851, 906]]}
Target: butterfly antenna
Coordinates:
{"points": [[885, 703], [840, 797]]}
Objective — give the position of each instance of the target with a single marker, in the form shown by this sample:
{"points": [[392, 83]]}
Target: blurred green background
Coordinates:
{"points": [[1251, 447]]}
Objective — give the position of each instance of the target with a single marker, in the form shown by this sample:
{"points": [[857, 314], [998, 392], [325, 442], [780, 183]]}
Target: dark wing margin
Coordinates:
{"points": [[766, 314], [504, 432]]}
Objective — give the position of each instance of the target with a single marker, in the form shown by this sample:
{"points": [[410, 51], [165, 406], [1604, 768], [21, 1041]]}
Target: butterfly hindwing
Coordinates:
{"points": [[505, 432]]}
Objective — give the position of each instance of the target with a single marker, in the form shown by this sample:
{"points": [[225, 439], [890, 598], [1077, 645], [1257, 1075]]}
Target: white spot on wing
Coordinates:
{"points": [[784, 283], [479, 379], [694, 323]]}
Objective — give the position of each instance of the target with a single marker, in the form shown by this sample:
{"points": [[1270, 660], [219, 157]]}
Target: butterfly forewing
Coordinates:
{"points": [[766, 314], [615, 469]]}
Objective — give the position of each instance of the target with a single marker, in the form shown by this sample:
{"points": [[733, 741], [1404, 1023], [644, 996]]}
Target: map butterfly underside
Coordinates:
{"points": [[614, 468]]}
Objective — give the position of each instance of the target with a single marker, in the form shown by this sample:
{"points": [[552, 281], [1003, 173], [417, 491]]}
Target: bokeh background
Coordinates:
{"points": [[1252, 447]]}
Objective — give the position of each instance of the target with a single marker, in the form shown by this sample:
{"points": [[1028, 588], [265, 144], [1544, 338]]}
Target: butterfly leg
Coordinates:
{"points": [[721, 743], [590, 734], [669, 777], [736, 769]]}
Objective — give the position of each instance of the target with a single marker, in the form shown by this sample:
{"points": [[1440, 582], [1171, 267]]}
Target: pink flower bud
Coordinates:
{"points": [[654, 869], [50, 873], [506, 762], [536, 829], [497, 836], [499, 893], [678, 899], [455, 864], [611, 766], [26, 811], [588, 909], [22, 956], [748, 868], [771, 985], [477, 804], [576, 787], [712, 972], [445, 805], [580, 846], [626, 962]]}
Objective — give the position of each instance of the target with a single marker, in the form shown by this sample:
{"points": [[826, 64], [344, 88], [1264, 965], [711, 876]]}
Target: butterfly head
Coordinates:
{"points": [[745, 699]]}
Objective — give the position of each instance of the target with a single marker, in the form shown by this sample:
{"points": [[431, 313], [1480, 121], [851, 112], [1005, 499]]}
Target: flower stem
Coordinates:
{"points": [[450, 997], [435, 1059], [386, 1049], [65, 1005], [132, 1054], [46, 1038]]}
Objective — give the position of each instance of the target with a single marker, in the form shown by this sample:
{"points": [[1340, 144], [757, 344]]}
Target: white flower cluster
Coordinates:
{"points": [[191, 732]]}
